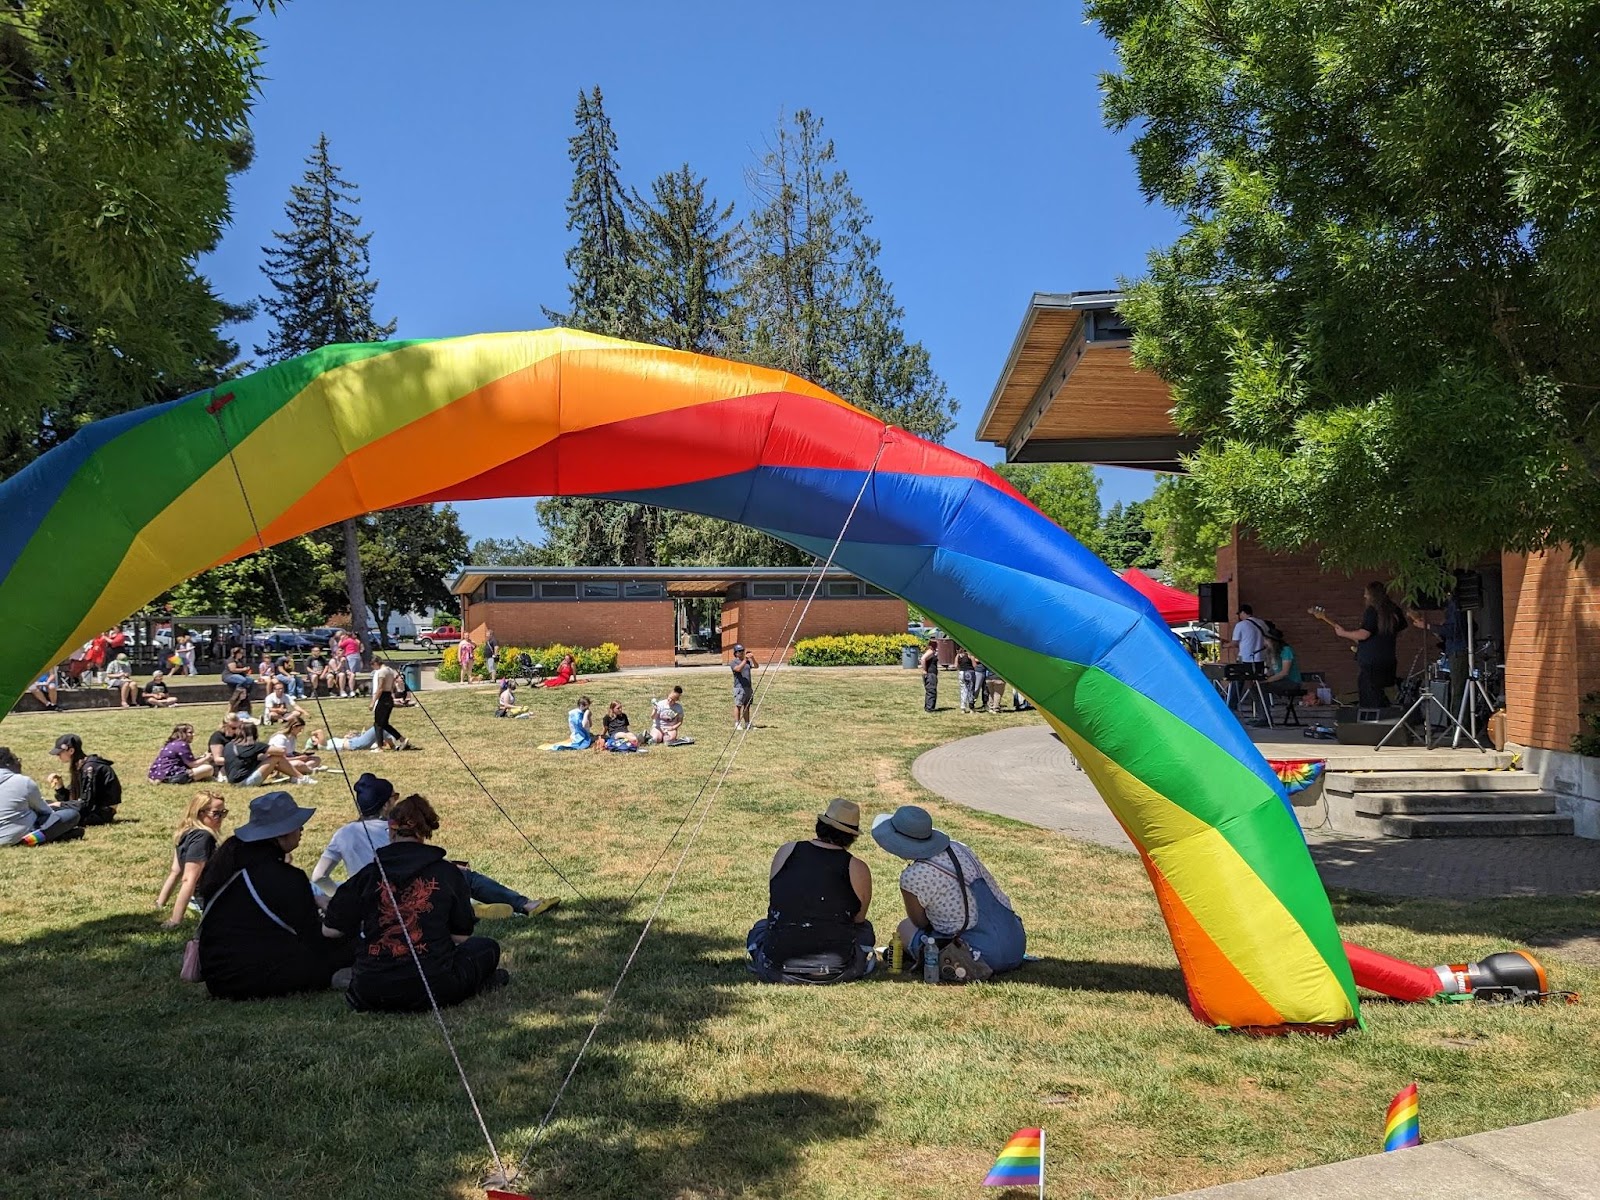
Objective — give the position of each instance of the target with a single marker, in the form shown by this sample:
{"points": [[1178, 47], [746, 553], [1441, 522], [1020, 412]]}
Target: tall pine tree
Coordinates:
{"points": [[690, 253], [321, 294], [814, 300], [606, 295]]}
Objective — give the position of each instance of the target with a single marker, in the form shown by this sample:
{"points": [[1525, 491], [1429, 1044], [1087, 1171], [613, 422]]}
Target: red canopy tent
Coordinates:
{"points": [[1174, 605]]}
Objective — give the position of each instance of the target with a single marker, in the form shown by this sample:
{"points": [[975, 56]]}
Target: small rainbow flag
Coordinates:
{"points": [[1401, 1129], [1297, 774], [1021, 1163]]}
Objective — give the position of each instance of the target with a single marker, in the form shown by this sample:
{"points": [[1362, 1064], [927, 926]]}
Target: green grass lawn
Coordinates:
{"points": [[120, 1080]]}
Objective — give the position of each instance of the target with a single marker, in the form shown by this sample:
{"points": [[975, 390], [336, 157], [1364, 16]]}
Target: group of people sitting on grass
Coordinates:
{"points": [[398, 928], [616, 732], [816, 928]]}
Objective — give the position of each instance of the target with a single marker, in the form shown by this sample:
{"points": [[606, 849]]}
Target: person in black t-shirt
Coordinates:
{"points": [[262, 933], [1377, 663], [193, 843], [416, 911], [248, 762], [818, 894], [156, 694]]}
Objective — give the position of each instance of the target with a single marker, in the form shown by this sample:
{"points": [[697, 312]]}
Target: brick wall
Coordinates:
{"points": [[1282, 586], [759, 625], [1552, 612], [642, 629]]}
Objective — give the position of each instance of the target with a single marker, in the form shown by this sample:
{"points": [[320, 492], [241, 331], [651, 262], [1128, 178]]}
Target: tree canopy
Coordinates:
{"points": [[1067, 493], [1383, 315], [119, 128]]}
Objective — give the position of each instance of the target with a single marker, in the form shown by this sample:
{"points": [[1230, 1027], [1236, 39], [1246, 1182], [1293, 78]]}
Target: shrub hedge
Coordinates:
{"points": [[851, 650], [590, 660]]}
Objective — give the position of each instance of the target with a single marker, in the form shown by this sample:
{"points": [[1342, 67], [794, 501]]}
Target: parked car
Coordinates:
{"points": [[325, 634], [922, 632], [1196, 633], [282, 641], [441, 635]]}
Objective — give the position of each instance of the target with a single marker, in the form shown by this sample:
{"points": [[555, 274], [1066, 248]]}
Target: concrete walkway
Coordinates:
{"points": [[1548, 1160], [1026, 774]]}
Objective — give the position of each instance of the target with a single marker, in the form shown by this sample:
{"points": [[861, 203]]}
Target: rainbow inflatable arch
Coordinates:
{"points": [[88, 534]]}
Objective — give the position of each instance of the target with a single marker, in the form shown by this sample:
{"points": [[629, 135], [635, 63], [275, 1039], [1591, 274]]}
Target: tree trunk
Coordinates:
{"points": [[356, 589]]}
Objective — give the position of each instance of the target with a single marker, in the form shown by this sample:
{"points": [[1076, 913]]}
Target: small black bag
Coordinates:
{"points": [[959, 962]]}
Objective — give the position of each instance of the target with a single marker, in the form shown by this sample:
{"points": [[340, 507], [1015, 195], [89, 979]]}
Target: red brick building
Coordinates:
{"points": [[657, 616], [1068, 392]]}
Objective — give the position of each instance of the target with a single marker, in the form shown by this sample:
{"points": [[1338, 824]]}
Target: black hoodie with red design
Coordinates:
{"points": [[431, 900]]}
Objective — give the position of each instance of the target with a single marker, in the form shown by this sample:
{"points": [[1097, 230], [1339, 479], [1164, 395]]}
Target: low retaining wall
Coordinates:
{"points": [[1575, 781]]}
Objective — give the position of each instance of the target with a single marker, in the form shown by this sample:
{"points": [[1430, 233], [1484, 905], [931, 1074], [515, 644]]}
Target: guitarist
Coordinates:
{"points": [[1376, 658]]}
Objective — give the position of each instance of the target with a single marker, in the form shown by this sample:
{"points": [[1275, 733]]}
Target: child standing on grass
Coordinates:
{"points": [[193, 843]]}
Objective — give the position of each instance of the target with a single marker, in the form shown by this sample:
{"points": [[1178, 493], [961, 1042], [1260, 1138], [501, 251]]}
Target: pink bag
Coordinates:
{"points": [[190, 971]]}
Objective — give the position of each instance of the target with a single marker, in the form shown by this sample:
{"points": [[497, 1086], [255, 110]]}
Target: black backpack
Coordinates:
{"points": [[100, 793]]}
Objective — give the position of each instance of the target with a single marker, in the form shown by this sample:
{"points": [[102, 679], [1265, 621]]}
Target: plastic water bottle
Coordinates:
{"points": [[930, 961]]}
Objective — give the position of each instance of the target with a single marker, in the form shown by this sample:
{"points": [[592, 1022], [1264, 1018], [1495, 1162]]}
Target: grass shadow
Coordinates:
{"points": [[1090, 975]]}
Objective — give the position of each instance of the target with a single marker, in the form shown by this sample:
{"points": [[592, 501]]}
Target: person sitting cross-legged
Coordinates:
{"points": [[507, 705], [157, 694], [262, 932], [816, 928], [666, 720], [250, 762], [176, 763], [354, 844], [279, 705], [411, 914]]}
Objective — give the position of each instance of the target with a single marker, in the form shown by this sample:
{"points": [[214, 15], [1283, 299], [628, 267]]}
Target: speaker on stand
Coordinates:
{"points": [[1214, 602]]}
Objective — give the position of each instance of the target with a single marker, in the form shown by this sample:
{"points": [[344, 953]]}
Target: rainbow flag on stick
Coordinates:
{"points": [[1021, 1163], [1401, 1129]]}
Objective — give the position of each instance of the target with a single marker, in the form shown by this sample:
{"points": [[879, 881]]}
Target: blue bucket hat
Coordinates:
{"points": [[909, 833], [272, 815], [372, 793]]}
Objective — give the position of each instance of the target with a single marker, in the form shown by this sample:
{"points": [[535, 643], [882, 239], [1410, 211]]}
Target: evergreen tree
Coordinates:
{"points": [[606, 295], [814, 300], [506, 552], [690, 254], [321, 295], [1125, 541]]}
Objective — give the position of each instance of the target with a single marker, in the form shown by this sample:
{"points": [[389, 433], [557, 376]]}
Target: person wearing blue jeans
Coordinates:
{"points": [[357, 844]]}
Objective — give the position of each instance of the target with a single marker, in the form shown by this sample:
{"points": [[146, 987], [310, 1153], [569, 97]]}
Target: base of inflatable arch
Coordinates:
{"points": [[1510, 976]]}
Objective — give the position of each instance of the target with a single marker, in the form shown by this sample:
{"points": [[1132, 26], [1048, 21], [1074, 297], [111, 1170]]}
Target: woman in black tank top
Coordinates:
{"points": [[817, 898]]}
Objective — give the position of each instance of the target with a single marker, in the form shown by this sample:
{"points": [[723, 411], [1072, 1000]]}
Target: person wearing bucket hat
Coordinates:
{"points": [[948, 891], [355, 844], [816, 928], [261, 934]]}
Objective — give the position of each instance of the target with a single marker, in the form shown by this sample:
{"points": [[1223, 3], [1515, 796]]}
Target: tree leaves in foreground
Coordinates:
{"points": [[1383, 317], [119, 127]]}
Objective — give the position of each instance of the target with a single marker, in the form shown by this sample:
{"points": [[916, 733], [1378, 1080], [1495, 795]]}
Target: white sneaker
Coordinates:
{"points": [[305, 779]]}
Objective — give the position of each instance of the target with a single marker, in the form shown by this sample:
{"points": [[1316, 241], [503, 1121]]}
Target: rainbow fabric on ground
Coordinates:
{"points": [[1403, 1128], [1019, 1164], [88, 534], [1297, 774]]}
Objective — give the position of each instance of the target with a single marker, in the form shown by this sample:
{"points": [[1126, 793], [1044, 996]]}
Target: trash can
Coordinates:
{"points": [[413, 676], [909, 655]]}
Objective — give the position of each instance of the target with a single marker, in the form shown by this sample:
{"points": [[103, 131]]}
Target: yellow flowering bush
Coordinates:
{"points": [[851, 650], [589, 660]]}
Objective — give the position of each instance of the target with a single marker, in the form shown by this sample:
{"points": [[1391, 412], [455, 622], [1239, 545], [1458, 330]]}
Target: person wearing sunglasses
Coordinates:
{"points": [[193, 843]]}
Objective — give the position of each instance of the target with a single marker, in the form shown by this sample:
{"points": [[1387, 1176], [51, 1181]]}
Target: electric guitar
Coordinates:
{"points": [[1321, 614]]}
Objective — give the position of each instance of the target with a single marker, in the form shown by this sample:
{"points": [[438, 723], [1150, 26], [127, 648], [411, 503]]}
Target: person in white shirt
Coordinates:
{"points": [[385, 682], [666, 720], [279, 707], [1249, 641], [284, 741], [356, 844]]}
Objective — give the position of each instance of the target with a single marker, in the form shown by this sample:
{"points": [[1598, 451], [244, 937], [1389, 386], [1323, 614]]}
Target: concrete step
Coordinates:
{"points": [[1432, 781], [1475, 825], [1347, 758], [1424, 804]]}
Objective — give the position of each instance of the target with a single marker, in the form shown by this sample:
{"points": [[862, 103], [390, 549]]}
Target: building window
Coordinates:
{"points": [[643, 591], [841, 588], [558, 591], [768, 591], [601, 591], [879, 592], [500, 590]]}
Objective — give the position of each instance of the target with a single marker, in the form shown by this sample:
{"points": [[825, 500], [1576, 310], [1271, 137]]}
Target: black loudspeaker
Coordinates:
{"points": [[1469, 591], [1214, 602]]}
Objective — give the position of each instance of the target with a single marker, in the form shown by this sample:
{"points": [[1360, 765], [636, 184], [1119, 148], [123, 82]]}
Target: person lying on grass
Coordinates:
{"points": [[566, 672], [355, 844], [948, 892], [262, 932], [175, 761], [818, 894], [413, 920], [193, 843]]}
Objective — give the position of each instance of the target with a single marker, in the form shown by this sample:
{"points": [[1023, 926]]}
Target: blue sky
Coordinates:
{"points": [[972, 133]]}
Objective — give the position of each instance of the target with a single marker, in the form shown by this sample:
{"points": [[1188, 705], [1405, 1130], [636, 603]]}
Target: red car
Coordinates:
{"points": [[446, 633]]}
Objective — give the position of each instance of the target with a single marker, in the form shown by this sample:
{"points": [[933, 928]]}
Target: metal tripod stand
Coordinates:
{"points": [[1466, 717], [1420, 704]]}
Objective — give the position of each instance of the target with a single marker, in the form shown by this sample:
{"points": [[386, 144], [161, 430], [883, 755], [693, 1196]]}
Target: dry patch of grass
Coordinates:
{"points": [[702, 1084]]}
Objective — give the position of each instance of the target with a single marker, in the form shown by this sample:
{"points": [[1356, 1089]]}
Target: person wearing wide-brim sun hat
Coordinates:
{"points": [[261, 934], [948, 891], [816, 928]]}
